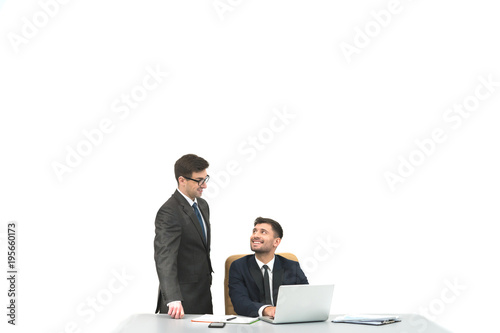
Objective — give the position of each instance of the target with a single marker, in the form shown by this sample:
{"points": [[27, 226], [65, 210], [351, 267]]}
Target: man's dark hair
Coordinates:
{"points": [[277, 229], [187, 164]]}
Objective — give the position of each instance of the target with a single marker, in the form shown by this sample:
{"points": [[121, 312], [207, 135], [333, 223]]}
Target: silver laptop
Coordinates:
{"points": [[302, 303]]}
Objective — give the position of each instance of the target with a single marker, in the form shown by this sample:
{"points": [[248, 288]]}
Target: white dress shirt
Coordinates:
{"points": [[270, 264], [191, 202]]}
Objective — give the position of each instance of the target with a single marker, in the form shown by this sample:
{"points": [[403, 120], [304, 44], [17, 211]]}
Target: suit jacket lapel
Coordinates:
{"points": [[257, 276], [277, 278], [207, 223], [189, 211]]}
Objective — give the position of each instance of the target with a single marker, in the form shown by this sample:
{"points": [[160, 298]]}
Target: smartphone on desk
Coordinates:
{"points": [[217, 325]]}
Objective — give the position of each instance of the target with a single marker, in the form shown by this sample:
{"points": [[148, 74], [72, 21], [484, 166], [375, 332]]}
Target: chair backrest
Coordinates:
{"points": [[229, 261]]}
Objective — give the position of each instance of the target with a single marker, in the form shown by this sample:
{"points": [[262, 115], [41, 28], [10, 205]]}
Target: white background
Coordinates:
{"points": [[426, 246]]}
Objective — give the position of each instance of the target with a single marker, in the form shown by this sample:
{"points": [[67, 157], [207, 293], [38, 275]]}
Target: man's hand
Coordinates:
{"points": [[269, 311], [175, 310]]}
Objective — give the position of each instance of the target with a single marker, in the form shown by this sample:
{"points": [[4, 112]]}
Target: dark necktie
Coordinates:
{"points": [[198, 215], [267, 287]]}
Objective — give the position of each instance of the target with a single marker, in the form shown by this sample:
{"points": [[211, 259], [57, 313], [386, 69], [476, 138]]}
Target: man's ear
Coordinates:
{"points": [[277, 242]]}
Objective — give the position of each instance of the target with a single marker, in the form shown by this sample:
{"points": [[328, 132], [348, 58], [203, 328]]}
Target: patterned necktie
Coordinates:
{"points": [[267, 287], [198, 215]]}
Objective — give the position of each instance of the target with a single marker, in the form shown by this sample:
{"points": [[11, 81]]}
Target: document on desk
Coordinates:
{"points": [[228, 319], [367, 319]]}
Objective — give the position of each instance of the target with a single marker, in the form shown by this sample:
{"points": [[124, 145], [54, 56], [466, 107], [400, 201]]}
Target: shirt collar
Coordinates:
{"points": [[191, 202], [270, 264]]}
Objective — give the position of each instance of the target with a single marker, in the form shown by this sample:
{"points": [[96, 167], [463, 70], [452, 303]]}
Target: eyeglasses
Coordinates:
{"points": [[199, 181]]}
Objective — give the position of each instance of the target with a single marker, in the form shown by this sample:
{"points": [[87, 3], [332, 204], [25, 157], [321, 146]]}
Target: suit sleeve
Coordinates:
{"points": [[238, 292], [166, 245]]}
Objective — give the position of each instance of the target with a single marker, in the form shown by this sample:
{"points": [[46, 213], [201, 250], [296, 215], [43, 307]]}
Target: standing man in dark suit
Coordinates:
{"points": [[251, 277], [182, 243]]}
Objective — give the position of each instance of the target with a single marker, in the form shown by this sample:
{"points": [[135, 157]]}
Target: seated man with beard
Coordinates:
{"points": [[254, 280]]}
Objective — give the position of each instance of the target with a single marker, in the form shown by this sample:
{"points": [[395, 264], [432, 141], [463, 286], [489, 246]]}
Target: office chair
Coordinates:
{"points": [[229, 261]]}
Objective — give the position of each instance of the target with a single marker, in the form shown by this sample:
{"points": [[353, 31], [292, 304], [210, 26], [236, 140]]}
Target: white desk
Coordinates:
{"points": [[152, 323]]}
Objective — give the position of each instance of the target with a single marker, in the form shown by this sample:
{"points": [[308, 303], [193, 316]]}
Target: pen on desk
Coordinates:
{"points": [[228, 319]]}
